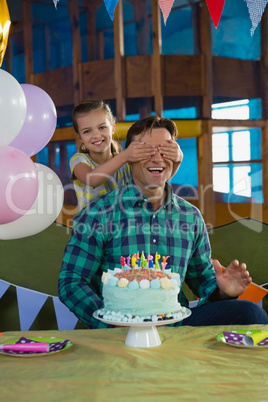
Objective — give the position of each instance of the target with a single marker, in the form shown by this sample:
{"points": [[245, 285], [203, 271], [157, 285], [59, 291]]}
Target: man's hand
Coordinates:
{"points": [[172, 151], [233, 280]]}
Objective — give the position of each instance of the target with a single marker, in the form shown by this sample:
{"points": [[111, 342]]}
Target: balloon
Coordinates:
{"points": [[12, 108], [40, 122], [18, 184], [4, 28], [44, 211]]}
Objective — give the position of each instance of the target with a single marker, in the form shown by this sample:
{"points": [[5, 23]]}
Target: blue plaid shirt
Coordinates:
{"points": [[122, 223]]}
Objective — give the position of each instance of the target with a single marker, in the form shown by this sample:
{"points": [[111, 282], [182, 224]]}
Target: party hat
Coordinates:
{"points": [[254, 339]]}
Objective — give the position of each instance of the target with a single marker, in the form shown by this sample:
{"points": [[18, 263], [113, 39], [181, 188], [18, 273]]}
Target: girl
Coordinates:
{"points": [[99, 168]]}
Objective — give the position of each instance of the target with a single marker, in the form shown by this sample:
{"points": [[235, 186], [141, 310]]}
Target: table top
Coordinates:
{"points": [[189, 365]]}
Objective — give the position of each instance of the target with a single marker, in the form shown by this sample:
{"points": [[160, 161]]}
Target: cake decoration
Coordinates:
{"points": [[140, 291]]}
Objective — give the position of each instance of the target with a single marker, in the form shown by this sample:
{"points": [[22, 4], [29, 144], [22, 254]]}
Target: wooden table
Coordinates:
{"points": [[189, 365]]}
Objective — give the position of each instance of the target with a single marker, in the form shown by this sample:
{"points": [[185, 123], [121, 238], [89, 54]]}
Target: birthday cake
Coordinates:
{"points": [[140, 292]]}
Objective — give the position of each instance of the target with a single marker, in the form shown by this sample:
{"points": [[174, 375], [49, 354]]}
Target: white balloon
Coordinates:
{"points": [[45, 210], [12, 108]]}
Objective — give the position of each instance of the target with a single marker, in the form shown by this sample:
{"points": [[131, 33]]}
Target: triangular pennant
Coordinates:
{"points": [[3, 287], [166, 6], [56, 3], [29, 303], [110, 6], [256, 9], [215, 9], [65, 318]]}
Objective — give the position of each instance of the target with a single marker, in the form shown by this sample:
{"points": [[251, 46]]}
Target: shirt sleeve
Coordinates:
{"points": [[200, 276], [80, 276], [75, 160], [127, 173]]}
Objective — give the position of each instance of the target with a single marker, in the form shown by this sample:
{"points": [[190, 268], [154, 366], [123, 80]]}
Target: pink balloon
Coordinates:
{"points": [[40, 122], [18, 184]]}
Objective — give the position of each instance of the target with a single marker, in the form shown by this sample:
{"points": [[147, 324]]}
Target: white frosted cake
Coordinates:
{"points": [[140, 294]]}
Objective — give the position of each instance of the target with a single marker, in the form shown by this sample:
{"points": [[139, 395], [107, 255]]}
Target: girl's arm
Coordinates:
{"points": [[95, 177]]}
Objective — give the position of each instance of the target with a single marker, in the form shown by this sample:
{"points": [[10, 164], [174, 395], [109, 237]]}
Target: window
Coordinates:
{"points": [[236, 155], [237, 167]]}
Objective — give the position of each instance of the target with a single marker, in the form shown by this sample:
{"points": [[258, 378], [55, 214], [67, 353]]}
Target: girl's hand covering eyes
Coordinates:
{"points": [[138, 151], [172, 151]]}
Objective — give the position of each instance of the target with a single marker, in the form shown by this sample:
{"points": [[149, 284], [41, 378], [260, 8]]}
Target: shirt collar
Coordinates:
{"points": [[133, 195]]}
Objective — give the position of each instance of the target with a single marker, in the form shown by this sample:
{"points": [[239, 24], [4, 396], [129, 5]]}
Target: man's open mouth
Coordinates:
{"points": [[155, 170]]}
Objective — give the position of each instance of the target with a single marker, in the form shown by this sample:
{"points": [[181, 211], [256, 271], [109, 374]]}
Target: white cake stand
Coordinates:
{"points": [[143, 334]]}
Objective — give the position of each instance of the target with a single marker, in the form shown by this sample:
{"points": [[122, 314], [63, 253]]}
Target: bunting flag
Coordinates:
{"points": [[256, 9], [110, 6], [215, 8], [65, 318], [55, 3], [165, 6], [3, 287], [30, 303]]}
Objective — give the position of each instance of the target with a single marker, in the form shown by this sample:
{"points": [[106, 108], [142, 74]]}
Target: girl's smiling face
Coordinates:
{"points": [[95, 130]]}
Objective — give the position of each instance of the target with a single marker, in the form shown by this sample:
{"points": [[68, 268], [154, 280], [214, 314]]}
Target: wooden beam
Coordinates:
{"points": [[47, 47], [9, 55], [76, 45], [58, 84], [28, 39], [205, 165], [156, 70], [100, 45], [237, 124], [143, 39], [119, 64], [264, 85], [63, 134], [97, 79], [264, 64], [91, 31], [230, 76], [142, 27], [265, 171]]}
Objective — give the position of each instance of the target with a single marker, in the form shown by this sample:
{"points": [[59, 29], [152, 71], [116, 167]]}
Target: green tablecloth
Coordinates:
{"points": [[189, 365]]}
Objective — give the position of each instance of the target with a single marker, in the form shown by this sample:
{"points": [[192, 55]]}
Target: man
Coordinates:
{"points": [[145, 215]]}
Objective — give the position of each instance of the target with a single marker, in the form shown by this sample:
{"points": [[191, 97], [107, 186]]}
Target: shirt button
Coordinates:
{"points": [[154, 240], [153, 216]]}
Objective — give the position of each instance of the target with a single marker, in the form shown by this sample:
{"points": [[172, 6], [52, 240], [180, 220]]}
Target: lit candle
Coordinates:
{"points": [[150, 257], [133, 260], [139, 262], [163, 265], [144, 263], [151, 264], [165, 258], [142, 257], [128, 261], [123, 261], [157, 256]]}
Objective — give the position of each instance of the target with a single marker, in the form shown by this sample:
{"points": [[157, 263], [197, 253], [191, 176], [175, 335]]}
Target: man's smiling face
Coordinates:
{"points": [[154, 172]]}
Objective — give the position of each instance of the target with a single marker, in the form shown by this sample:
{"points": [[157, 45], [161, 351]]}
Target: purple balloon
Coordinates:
{"points": [[40, 122], [18, 184]]}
